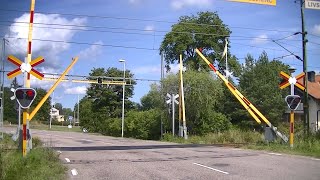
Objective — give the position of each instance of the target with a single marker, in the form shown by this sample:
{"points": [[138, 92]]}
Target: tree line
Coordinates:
{"points": [[210, 107]]}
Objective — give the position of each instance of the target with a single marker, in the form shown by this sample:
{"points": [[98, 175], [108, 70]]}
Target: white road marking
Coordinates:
{"points": [[315, 159], [224, 172], [67, 159], [86, 140], [74, 172], [277, 154]]}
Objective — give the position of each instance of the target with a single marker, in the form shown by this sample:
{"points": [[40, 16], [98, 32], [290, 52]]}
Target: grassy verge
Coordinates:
{"points": [[40, 163], [253, 140], [56, 128], [302, 146]]}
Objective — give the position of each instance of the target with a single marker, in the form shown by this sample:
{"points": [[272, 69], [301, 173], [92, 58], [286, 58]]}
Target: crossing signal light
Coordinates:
{"points": [[25, 96], [293, 101]]}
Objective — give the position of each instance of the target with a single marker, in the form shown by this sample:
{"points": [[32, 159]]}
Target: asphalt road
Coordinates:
{"points": [[100, 157]]}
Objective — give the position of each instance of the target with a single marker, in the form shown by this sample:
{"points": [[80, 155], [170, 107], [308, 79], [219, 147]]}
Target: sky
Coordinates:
{"points": [[102, 32]]}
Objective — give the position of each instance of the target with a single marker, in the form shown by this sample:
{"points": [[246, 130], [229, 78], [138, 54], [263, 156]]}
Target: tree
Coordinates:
{"points": [[101, 108], [153, 99], [108, 98], [10, 106], [44, 112], [260, 84], [59, 107], [203, 95], [206, 31], [67, 112]]}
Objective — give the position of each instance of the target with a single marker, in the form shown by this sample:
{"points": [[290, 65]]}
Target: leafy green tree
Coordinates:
{"points": [[101, 108], [206, 31], [108, 98], [203, 96], [260, 84], [86, 115], [10, 113], [44, 112], [67, 112], [153, 99], [59, 107], [9, 107]]}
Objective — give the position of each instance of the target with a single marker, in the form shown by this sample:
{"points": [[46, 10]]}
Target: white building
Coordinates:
{"points": [[54, 114]]}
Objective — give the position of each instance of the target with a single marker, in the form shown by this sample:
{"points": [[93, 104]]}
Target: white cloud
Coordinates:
{"points": [[174, 68], [259, 40], [48, 50], [179, 4], [149, 28], [92, 52], [316, 29], [76, 90]]}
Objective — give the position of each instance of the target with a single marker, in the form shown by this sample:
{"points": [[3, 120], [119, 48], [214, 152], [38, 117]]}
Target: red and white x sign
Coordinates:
{"points": [[25, 67]]}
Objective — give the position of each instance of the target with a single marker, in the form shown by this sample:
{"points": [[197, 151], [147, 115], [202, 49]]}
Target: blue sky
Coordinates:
{"points": [[142, 24]]}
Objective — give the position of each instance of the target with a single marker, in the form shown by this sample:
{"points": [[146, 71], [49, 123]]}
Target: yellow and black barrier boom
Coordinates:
{"points": [[254, 112]]}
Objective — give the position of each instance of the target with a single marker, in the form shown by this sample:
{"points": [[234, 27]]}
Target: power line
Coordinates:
{"points": [[105, 77], [95, 29], [314, 43], [127, 47], [314, 35], [146, 20], [86, 43]]}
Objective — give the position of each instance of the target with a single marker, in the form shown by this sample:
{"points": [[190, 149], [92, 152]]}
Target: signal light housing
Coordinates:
{"points": [[25, 96], [293, 101]]}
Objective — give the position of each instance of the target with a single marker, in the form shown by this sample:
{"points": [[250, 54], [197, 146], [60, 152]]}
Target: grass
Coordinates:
{"points": [[254, 140], [233, 136], [56, 128], [40, 163], [302, 146]]}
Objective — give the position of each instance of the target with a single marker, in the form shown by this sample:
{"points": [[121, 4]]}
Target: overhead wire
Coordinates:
{"points": [[146, 20], [150, 32]]}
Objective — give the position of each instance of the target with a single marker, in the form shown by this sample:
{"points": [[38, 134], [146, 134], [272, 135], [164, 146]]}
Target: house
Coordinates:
{"points": [[54, 114], [314, 102]]}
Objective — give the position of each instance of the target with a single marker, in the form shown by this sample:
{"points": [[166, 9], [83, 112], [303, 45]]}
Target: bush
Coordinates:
{"points": [[211, 122], [143, 124]]}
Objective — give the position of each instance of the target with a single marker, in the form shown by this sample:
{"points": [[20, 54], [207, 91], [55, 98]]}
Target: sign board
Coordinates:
{"points": [[263, 2], [312, 4]]}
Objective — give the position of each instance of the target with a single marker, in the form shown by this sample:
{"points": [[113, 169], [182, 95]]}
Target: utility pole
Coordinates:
{"points": [[305, 97], [78, 111], [173, 121], [2, 87], [161, 78]]}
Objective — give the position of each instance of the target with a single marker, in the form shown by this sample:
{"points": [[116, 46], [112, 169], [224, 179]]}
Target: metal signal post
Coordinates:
{"points": [[292, 100]]}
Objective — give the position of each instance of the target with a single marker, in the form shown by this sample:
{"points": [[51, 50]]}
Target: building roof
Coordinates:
{"points": [[314, 87]]}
